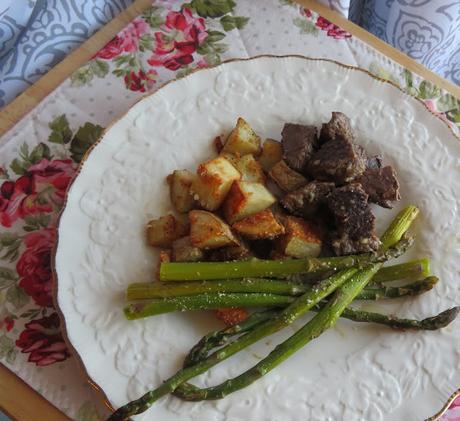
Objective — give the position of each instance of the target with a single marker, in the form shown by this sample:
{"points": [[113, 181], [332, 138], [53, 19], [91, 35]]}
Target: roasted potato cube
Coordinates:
{"points": [[163, 231], [272, 152], [246, 198], [180, 182], [214, 179], [286, 178], [232, 158], [184, 251], [208, 231], [261, 225], [250, 169], [242, 139], [302, 238]]}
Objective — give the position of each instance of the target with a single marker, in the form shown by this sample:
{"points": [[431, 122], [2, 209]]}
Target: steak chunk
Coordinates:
{"points": [[347, 202], [381, 185], [306, 200], [338, 126], [338, 160], [354, 220], [299, 142], [343, 244]]}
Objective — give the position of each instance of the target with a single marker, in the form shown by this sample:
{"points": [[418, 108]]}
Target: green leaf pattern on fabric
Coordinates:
{"points": [[7, 277], [9, 246], [16, 296], [230, 22], [83, 139], [8, 350], [60, 130], [306, 26], [26, 159], [212, 8]]}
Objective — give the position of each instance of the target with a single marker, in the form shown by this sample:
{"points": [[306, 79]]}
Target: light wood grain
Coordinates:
{"points": [[33, 95], [381, 46], [22, 403]]}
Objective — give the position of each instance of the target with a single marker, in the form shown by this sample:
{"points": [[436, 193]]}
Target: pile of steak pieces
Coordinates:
{"points": [[343, 180]]}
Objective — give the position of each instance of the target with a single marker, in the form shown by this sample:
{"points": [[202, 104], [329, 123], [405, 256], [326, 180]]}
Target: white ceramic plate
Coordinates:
{"points": [[352, 372]]}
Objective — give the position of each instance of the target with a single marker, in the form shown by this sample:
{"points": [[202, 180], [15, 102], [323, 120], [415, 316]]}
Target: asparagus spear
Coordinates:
{"points": [[414, 288], [205, 300], [430, 323], [154, 307], [322, 320], [251, 285], [201, 271], [415, 269], [221, 337], [145, 291]]}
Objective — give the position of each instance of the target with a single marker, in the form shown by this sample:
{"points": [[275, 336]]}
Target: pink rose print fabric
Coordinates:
{"points": [[32, 192], [178, 40]]}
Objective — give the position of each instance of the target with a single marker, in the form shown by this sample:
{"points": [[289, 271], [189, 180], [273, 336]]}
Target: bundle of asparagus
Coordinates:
{"points": [[256, 283]]}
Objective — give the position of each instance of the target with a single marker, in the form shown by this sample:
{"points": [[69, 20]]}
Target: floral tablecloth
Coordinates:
{"points": [[38, 157]]}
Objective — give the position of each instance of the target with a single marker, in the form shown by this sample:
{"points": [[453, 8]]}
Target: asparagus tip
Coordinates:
{"points": [[399, 226], [419, 287], [442, 319]]}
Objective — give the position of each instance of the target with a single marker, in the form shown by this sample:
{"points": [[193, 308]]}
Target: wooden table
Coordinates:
{"points": [[22, 403], [17, 399]]}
